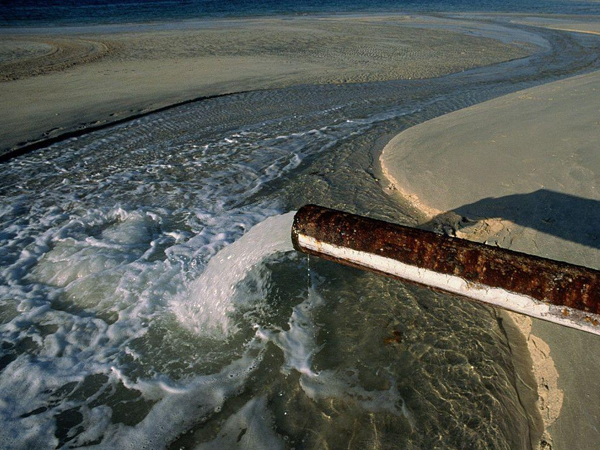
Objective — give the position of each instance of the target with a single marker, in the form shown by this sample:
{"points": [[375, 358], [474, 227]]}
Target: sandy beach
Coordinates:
{"points": [[522, 172], [52, 82]]}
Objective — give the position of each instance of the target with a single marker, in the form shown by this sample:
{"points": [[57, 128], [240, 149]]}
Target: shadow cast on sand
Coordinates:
{"points": [[565, 216]]}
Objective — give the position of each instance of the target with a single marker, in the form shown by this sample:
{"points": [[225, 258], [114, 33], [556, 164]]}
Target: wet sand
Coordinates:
{"points": [[524, 172], [56, 81], [53, 84]]}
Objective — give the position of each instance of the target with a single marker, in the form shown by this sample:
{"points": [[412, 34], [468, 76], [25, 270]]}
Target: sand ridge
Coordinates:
{"points": [[24, 57], [97, 77], [522, 172], [57, 83]]}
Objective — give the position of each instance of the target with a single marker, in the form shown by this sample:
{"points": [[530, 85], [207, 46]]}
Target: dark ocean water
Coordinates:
{"points": [[77, 12]]}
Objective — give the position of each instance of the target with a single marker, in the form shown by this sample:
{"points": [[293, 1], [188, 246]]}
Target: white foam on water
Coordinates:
{"points": [[209, 301], [180, 405], [298, 342], [107, 238], [87, 269], [251, 428], [329, 384]]}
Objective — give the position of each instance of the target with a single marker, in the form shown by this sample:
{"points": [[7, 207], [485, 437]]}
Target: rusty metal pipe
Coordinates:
{"points": [[550, 290]]}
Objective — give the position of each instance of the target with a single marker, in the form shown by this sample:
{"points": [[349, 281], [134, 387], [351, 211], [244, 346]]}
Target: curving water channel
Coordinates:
{"points": [[149, 297]]}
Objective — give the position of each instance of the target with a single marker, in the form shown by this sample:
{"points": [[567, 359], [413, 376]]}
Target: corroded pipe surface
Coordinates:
{"points": [[551, 290]]}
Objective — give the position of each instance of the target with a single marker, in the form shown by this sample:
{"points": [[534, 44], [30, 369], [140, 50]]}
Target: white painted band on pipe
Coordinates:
{"points": [[512, 301]]}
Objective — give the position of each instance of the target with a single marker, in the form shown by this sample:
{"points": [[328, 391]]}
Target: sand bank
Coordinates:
{"points": [[523, 172], [55, 81], [575, 23]]}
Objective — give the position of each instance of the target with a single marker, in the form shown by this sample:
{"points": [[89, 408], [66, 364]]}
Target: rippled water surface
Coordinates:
{"points": [[149, 296]]}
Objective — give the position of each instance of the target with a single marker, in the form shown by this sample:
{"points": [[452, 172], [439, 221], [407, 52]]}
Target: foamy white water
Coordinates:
{"points": [[149, 297], [207, 303], [119, 270]]}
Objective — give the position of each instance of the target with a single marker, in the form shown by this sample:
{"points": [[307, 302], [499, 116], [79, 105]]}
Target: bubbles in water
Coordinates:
{"points": [[251, 428], [124, 254], [299, 341], [208, 302]]}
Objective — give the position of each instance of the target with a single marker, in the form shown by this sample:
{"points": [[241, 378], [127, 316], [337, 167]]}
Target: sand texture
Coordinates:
{"points": [[528, 160], [52, 82], [579, 24], [523, 172], [32, 56]]}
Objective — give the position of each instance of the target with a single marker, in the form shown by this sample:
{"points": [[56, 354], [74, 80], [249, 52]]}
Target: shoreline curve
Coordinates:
{"points": [[522, 172], [135, 71]]}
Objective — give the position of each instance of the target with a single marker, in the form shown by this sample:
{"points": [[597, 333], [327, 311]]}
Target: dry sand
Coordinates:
{"points": [[575, 23], [52, 82], [524, 171]]}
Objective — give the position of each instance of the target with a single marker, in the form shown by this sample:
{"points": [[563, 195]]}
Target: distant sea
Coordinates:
{"points": [[32, 13]]}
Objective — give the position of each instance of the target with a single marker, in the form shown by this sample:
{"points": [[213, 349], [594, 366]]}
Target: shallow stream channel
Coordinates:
{"points": [[150, 297]]}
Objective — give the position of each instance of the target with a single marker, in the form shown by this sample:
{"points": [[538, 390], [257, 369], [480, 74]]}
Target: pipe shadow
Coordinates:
{"points": [[565, 216]]}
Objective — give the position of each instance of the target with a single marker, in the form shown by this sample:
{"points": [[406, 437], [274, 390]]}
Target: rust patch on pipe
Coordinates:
{"points": [[553, 282]]}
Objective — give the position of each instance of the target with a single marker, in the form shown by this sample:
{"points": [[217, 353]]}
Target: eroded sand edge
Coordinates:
{"points": [[522, 172], [55, 82]]}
